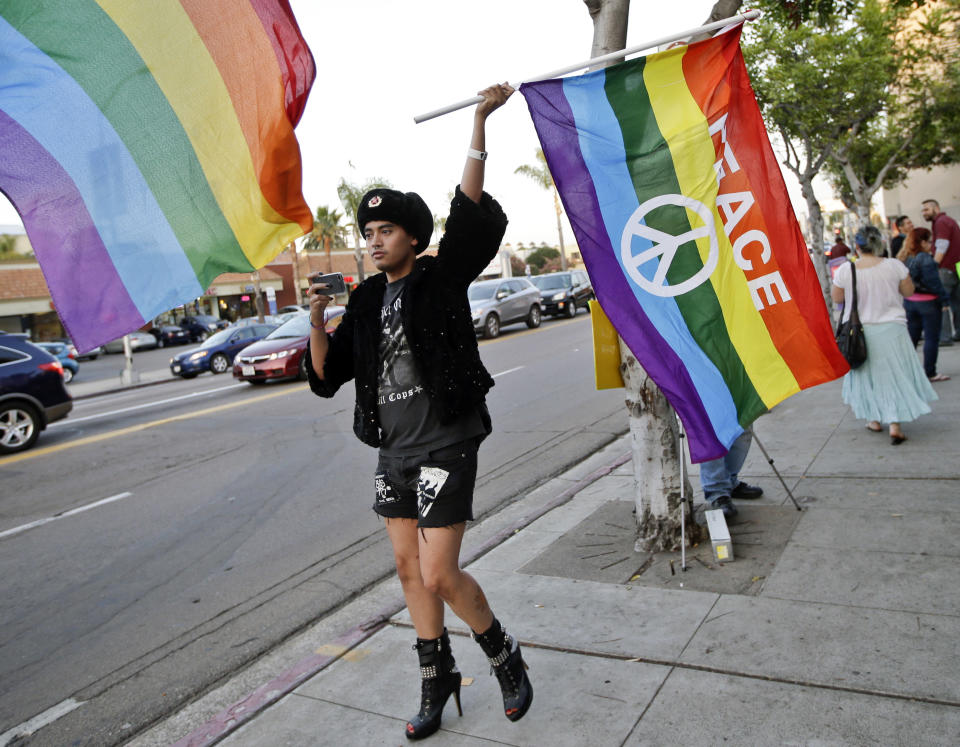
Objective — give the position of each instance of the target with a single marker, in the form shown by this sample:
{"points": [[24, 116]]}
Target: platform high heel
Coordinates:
{"points": [[439, 679]]}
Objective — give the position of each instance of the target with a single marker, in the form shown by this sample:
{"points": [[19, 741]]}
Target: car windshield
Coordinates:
{"points": [[217, 339], [481, 292], [551, 282], [298, 326]]}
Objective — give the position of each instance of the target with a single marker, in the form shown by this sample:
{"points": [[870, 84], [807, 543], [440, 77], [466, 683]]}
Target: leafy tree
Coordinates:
{"points": [[350, 196], [518, 267], [915, 126], [540, 173], [327, 233], [538, 258]]}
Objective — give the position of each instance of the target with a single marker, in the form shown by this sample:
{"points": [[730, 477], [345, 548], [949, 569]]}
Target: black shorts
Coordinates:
{"points": [[435, 488]]}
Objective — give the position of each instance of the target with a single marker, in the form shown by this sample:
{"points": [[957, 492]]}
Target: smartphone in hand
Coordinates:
{"points": [[334, 281]]}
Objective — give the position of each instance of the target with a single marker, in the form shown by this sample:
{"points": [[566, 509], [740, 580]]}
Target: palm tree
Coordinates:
{"points": [[326, 234], [350, 196], [542, 176]]}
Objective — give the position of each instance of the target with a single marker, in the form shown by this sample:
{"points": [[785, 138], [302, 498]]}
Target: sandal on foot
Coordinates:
{"points": [[878, 429], [940, 377], [897, 440]]}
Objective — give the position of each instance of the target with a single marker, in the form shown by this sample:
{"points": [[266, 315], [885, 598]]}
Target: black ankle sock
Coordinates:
{"points": [[493, 640]]}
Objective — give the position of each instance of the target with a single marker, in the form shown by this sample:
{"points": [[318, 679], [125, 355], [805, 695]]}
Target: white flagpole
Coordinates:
{"points": [[748, 16]]}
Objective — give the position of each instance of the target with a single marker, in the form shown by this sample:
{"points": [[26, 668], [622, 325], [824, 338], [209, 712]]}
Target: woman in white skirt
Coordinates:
{"points": [[890, 387]]}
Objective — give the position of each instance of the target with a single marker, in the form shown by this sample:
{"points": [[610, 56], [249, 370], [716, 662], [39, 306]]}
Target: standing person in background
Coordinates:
{"points": [[890, 387], [946, 252], [839, 249], [407, 339], [923, 306], [904, 227], [720, 478]]}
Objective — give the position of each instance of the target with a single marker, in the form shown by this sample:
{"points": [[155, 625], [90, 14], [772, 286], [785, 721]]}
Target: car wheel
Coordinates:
{"points": [[534, 318], [202, 336], [67, 375], [302, 370], [19, 427], [219, 363], [571, 310], [491, 326]]}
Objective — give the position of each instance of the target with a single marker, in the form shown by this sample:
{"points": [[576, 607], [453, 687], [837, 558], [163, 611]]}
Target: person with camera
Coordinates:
{"points": [[408, 342]]}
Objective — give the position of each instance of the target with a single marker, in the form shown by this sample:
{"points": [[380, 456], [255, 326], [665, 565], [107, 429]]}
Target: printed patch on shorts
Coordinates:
{"points": [[385, 491], [429, 486]]}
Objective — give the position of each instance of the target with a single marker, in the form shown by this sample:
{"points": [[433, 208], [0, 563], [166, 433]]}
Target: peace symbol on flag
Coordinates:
{"points": [[665, 246]]}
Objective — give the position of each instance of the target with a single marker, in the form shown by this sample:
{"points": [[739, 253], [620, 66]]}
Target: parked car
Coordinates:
{"points": [[267, 319], [216, 353], [90, 355], [32, 394], [280, 355], [497, 303], [294, 307], [66, 354], [138, 341], [170, 334], [201, 326], [562, 293]]}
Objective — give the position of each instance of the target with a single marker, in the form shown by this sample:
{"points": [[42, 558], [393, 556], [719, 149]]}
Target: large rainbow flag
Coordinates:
{"points": [[149, 147], [684, 222]]}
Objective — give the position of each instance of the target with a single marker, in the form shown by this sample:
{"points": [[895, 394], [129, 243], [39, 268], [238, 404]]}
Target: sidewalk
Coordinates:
{"points": [[834, 625]]}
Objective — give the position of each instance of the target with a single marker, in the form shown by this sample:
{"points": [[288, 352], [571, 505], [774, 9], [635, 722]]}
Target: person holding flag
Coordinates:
{"points": [[407, 339]]}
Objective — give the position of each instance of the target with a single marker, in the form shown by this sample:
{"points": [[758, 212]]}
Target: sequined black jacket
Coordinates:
{"points": [[436, 320]]}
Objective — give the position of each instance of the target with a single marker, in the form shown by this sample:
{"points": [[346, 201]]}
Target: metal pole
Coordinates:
{"points": [[683, 500], [770, 462], [707, 28]]}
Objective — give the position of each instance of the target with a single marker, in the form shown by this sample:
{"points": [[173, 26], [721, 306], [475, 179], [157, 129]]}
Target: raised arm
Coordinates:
{"points": [[471, 183]]}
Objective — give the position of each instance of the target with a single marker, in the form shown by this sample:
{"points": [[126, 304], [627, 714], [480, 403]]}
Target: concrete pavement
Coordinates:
{"points": [[837, 624]]}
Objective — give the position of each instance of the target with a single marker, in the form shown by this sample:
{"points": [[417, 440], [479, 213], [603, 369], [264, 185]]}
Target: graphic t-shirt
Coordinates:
{"points": [[408, 420]]}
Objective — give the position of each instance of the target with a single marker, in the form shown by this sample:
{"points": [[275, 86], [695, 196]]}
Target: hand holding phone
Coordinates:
{"points": [[333, 281]]}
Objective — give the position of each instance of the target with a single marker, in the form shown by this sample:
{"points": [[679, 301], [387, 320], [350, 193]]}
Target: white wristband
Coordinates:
{"points": [[480, 155]]}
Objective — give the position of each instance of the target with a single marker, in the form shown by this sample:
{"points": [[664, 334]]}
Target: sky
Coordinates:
{"points": [[381, 62]]}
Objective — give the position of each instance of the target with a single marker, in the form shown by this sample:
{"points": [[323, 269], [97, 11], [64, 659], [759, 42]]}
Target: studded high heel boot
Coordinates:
{"points": [[439, 679], [506, 662]]}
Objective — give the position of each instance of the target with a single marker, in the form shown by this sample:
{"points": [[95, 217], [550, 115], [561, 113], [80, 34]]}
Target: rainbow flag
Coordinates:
{"points": [[684, 222], [149, 147]]}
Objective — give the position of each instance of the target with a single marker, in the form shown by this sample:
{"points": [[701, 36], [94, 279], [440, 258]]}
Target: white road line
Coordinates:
{"points": [[71, 421], [509, 370], [71, 512], [40, 720]]}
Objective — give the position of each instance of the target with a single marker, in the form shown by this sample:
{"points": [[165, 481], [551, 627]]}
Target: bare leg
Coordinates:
{"points": [[426, 608], [441, 573]]}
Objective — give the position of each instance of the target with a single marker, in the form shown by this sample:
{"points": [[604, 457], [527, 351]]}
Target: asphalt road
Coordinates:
{"points": [[184, 529]]}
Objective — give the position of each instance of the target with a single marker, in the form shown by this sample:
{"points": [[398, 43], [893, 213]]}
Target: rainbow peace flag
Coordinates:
{"points": [[149, 147], [686, 228]]}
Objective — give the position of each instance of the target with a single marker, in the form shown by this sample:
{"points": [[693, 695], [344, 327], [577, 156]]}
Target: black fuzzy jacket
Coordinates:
{"points": [[436, 320]]}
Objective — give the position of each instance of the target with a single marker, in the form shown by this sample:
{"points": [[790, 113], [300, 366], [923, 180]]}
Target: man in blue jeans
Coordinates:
{"points": [[720, 480]]}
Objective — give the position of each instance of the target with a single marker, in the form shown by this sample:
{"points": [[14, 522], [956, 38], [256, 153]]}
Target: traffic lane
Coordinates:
{"points": [[89, 460], [547, 413], [111, 365], [182, 550], [162, 582]]}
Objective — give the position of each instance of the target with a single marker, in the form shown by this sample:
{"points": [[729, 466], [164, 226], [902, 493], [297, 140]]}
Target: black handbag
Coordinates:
{"points": [[850, 339]]}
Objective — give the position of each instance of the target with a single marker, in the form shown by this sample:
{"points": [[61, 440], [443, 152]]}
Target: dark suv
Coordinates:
{"points": [[32, 393], [201, 326], [562, 293]]}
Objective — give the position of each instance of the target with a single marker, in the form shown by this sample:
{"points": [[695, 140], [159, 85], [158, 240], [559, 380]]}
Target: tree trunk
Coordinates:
{"points": [[657, 457], [654, 439], [297, 298], [358, 254], [563, 251], [816, 238]]}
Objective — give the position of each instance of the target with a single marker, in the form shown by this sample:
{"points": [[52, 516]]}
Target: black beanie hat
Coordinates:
{"points": [[408, 211]]}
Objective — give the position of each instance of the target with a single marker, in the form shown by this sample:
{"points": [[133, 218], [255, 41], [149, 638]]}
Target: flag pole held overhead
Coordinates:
{"points": [[750, 15]]}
